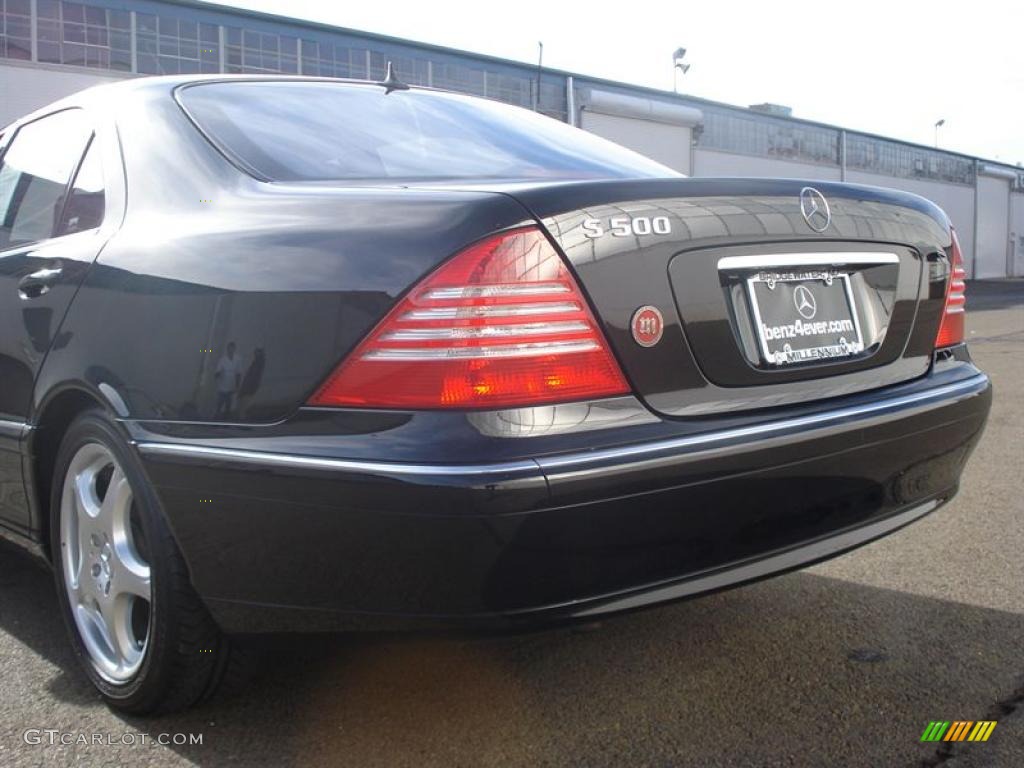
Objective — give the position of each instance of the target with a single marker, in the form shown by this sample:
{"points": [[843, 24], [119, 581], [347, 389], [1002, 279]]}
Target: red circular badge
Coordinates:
{"points": [[648, 325]]}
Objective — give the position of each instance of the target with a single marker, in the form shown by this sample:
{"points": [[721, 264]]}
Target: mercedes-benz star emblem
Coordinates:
{"points": [[804, 302], [814, 207]]}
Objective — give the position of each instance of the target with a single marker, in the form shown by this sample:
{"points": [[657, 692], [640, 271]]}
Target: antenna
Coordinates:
{"points": [[391, 81]]}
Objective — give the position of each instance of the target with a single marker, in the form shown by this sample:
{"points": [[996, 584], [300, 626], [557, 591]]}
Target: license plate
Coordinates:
{"points": [[804, 316]]}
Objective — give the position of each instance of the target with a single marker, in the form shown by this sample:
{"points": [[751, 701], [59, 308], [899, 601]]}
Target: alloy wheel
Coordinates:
{"points": [[107, 575]]}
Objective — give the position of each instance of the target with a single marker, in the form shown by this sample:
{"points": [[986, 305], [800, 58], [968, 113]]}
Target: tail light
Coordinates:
{"points": [[951, 330], [503, 323]]}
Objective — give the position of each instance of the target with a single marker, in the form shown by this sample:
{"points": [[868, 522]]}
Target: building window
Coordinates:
{"points": [[15, 29], [252, 51], [84, 35], [456, 77], [873, 155], [168, 46], [322, 59], [552, 100], [734, 131], [408, 70], [512, 89]]}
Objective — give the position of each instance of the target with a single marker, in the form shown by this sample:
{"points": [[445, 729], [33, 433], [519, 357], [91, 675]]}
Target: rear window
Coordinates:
{"points": [[315, 131]]}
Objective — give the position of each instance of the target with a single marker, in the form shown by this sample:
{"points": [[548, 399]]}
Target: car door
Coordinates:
{"points": [[51, 204]]}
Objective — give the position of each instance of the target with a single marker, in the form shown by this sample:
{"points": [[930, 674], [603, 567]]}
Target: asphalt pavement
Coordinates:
{"points": [[843, 664]]}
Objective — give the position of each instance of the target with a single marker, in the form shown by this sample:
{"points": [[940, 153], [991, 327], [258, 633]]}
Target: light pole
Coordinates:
{"points": [[677, 67], [938, 124], [540, 70]]}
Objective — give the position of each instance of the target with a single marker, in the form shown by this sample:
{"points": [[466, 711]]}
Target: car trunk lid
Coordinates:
{"points": [[759, 308]]}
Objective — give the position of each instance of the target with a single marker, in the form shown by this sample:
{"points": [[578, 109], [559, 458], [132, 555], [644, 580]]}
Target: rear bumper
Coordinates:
{"points": [[299, 542]]}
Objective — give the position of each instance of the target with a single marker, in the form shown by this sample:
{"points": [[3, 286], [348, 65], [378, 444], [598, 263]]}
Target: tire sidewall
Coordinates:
{"points": [[97, 427]]}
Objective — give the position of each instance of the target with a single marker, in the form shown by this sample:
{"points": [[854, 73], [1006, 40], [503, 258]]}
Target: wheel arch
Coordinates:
{"points": [[49, 425]]}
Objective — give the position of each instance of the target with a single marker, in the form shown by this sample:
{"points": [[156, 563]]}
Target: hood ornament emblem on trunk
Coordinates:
{"points": [[814, 207]]}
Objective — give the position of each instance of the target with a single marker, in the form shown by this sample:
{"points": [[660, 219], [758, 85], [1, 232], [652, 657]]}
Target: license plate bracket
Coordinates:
{"points": [[804, 316]]}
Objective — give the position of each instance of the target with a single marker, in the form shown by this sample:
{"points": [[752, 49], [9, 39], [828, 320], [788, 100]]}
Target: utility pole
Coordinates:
{"points": [[540, 67]]}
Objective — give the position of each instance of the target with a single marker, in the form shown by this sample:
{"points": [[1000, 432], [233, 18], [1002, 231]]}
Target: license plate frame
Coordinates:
{"points": [[780, 350]]}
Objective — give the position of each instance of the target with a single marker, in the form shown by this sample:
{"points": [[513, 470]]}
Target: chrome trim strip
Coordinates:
{"points": [[491, 310], [826, 259], [580, 460], [525, 349], [312, 462], [442, 333], [481, 291], [797, 557], [771, 429], [15, 429]]}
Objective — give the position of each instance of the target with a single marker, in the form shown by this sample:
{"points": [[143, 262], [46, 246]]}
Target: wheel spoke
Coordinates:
{"points": [[117, 612], [130, 580], [96, 635], [79, 547], [85, 493], [75, 540], [78, 588], [113, 512]]}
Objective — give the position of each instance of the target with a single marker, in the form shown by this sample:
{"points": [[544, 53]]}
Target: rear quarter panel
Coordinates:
{"points": [[293, 275]]}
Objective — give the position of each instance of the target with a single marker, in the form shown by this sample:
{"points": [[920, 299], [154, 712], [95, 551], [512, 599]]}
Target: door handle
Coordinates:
{"points": [[38, 283]]}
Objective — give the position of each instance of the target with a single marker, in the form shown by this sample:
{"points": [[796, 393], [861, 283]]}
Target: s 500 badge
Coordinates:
{"points": [[625, 226]]}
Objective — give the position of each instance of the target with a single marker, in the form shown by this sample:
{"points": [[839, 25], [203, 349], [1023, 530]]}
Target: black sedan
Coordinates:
{"points": [[286, 354]]}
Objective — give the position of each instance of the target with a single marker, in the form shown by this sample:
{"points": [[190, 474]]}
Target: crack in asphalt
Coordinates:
{"points": [[950, 749]]}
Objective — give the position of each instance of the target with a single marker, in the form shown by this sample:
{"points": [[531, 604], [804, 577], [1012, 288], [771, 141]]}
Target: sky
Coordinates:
{"points": [[892, 68]]}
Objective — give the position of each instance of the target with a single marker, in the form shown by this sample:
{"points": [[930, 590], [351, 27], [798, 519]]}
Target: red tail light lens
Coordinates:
{"points": [[501, 324], [951, 331]]}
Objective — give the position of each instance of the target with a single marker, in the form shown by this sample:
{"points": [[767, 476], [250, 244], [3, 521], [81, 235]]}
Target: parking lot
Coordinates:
{"points": [[841, 664]]}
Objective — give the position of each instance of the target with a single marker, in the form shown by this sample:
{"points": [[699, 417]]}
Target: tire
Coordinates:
{"points": [[112, 549]]}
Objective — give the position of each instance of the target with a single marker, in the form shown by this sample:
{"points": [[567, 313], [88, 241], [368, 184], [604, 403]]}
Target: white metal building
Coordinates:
{"points": [[50, 48]]}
